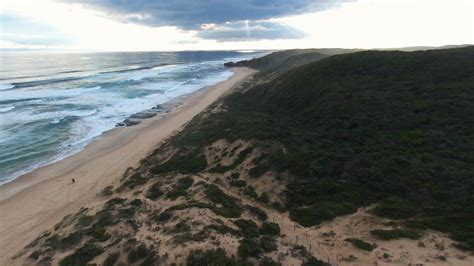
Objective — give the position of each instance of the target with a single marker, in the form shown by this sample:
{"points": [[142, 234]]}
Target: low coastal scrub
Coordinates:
{"points": [[82, 255], [261, 215], [270, 229], [184, 162], [351, 130], [249, 248], [395, 234], [154, 192], [248, 227], [213, 257], [230, 208], [238, 183], [138, 253], [180, 188], [361, 244]]}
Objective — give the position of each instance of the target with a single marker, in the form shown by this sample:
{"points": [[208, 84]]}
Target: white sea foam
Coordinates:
{"points": [[97, 108], [5, 109], [6, 86]]}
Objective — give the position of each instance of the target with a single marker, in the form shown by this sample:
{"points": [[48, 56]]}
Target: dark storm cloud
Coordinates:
{"points": [[191, 14]]}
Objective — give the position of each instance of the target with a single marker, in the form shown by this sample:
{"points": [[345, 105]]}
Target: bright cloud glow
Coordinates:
{"points": [[371, 24], [362, 24]]}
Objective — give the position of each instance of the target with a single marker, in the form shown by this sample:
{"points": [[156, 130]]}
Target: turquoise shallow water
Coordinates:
{"points": [[52, 105]]}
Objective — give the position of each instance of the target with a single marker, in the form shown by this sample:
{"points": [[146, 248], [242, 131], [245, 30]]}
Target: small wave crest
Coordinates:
{"points": [[5, 109], [6, 86]]}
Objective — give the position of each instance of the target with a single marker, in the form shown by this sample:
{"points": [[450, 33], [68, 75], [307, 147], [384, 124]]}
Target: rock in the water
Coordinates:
{"points": [[132, 122], [143, 115]]}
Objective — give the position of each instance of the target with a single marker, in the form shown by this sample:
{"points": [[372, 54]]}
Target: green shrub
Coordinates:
{"points": [[314, 215], [216, 257], [222, 229], [263, 198], [82, 255], [229, 209], [126, 213], [134, 180], [235, 175], [71, 240], [111, 259], [261, 215], [183, 162], [110, 204], [35, 255], [181, 188], [270, 229], [107, 191], [98, 233], [180, 227], [396, 208], [258, 170], [395, 234], [154, 191], [238, 183], [250, 191], [104, 218], [361, 244], [312, 261], [136, 202], [267, 261], [277, 206], [249, 248], [138, 253], [84, 220], [268, 243], [248, 227]]}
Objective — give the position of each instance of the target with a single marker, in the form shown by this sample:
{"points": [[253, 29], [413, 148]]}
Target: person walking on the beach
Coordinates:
{"points": [[73, 181]]}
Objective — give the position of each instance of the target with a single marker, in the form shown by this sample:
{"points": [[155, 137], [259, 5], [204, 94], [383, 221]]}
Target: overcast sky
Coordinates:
{"points": [[146, 25]]}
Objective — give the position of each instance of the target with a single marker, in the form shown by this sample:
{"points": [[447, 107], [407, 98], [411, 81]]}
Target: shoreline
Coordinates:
{"points": [[132, 119], [36, 201]]}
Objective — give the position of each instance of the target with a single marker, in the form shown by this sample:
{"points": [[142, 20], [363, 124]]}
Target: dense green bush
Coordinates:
{"points": [[261, 215], [216, 257], [313, 215], [184, 162], [229, 208], [396, 208], [82, 256], [138, 253], [237, 183], [250, 191], [270, 229], [268, 243], [267, 261], [111, 259], [263, 198], [134, 180], [180, 188], [154, 191], [361, 244], [249, 248], [248, 227]]}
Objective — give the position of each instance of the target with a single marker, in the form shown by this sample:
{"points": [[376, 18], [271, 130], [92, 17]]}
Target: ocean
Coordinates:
{"points": [[53, 104]]}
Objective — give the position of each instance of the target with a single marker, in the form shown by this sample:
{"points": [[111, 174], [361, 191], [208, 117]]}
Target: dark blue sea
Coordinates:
{"points": [[53, 104]]}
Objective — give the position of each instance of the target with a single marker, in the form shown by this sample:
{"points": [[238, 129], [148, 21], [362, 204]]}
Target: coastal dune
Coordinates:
{"points": [[38, 200]]}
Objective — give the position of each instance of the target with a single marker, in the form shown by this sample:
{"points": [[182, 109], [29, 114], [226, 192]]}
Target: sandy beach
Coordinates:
{"points": [[36, 201]]}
